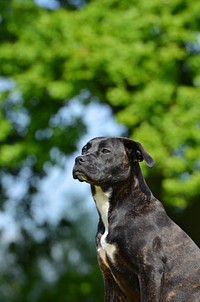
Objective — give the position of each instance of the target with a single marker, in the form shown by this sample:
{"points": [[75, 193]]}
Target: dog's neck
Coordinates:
{"points": [[134, 184], [139, 181]]}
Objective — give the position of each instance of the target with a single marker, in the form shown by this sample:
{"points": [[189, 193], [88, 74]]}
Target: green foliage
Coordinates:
{"points": [[32, 55], [137, 57]]}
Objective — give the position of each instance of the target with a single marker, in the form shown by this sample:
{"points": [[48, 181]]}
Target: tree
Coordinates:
{"points": [[34, 137], [141, 58]]}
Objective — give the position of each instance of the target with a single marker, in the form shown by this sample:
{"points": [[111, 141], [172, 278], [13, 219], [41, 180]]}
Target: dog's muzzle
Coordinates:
{"points": [[78, 168], [85, 168]]}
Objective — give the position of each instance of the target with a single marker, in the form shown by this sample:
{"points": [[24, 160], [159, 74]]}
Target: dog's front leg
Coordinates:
{"points": [[112, 290], [150, 286]]}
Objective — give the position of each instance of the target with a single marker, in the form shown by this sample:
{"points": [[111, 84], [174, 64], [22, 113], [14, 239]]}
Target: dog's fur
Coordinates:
{"points": [[143, 254]]}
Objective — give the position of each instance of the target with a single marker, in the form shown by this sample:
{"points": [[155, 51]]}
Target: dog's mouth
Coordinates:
{"points": [[79, 175], [82, 176]]}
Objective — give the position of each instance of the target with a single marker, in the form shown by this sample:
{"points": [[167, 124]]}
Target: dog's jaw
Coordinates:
{"points": [[80, 176]]}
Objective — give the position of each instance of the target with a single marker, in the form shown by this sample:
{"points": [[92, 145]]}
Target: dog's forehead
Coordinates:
{"points": [[99, 142]]}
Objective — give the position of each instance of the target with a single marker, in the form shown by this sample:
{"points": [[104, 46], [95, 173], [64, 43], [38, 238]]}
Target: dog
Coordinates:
{"points": [[144, 255]]}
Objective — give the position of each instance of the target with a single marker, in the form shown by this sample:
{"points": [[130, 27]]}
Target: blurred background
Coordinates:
{"points": [[70, 71]]}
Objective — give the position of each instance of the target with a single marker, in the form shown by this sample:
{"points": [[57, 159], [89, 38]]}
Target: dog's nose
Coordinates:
{"points": [[80, 159]]}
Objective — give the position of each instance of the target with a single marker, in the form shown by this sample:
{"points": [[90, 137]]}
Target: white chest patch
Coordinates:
{"points": [[102, 202]]}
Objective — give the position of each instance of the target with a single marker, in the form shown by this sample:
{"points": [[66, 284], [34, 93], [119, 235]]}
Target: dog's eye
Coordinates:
{"points": [[84, 149], [104, 151]]}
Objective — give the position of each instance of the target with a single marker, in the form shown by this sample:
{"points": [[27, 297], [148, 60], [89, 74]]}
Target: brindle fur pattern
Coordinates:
{"points": [[144, 256]]}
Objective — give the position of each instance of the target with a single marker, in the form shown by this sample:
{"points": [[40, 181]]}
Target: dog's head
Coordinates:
{"points": [[109, 160]]}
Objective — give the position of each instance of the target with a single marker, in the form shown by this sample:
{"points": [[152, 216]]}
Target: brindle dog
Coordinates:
{"points": [[143, 254]]}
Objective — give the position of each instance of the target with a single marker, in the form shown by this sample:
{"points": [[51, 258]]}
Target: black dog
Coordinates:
{"points": [[143, 254]]}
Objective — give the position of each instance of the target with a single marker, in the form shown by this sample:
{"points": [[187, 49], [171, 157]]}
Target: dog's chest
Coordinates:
{"points": [[105, 250]]}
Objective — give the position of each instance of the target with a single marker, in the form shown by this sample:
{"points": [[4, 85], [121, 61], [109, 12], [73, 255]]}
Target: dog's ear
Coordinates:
{"points": [[136, 150]]}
